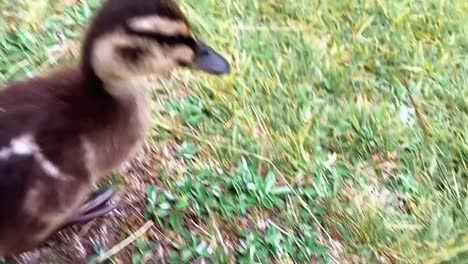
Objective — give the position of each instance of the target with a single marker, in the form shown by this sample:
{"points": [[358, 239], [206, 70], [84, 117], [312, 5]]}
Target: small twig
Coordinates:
{"points": [[419, 115], [117, 248], [201, 229], [218, 233], [279, 228]]}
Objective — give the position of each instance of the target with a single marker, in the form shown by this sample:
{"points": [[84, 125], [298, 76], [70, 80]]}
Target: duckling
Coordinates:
{"points": [[61, 133]]}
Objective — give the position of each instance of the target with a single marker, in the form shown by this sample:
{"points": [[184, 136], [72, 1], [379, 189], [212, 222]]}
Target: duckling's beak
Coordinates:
{"points": [[208, 60]]}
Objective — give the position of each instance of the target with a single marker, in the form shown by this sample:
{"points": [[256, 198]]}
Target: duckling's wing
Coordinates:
{"points": [[29, 197], [33, 204], [38, 193], [19, 116]]}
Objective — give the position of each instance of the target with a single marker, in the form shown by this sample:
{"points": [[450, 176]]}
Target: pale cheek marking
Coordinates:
{"points": [[183, 53], [113, 69], [107, 65]]}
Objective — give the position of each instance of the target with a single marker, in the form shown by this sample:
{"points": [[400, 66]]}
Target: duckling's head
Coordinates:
{"points": [[129, 39]]}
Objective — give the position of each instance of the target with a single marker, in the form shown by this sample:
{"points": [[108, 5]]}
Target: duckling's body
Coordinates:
{"points": [[61, 133], [58, 136]]}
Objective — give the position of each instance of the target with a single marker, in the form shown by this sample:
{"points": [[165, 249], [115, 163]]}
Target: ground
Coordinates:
{"points": [[339, 137]]}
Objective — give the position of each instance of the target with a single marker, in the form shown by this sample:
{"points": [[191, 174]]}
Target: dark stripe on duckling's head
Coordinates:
{"points": [[164, 39]]}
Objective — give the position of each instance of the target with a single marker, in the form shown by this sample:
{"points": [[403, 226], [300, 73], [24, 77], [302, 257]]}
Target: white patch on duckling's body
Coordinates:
{"points": [[22, 145], [46, 165], [25, 145]]}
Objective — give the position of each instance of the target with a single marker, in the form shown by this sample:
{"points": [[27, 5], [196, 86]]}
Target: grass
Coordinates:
{"points": [[341, 133]]}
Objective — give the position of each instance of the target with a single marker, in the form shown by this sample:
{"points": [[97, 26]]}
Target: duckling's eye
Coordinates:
{"points": [[183, 63], [130, 53]]}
